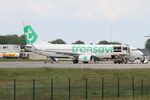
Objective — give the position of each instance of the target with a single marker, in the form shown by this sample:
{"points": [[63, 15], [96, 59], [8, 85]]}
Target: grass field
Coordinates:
{"points": [[43, 76]]}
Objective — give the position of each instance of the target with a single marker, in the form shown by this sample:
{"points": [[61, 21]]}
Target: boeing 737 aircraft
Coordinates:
{"points": [[78, 53]]}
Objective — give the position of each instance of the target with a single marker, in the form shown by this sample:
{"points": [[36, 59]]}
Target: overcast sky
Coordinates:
{"points": [[126, 21]]}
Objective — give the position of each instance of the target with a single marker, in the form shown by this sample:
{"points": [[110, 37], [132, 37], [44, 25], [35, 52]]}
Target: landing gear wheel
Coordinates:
{"points": [[75, 61], [93, 60], [85, 62]]}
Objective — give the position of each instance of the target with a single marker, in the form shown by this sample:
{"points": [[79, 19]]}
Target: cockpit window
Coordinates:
{"points": [[125, 48]]}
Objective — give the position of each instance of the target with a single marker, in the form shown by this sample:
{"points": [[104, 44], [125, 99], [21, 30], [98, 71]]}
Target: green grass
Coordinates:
{"points": [[60, 78]]}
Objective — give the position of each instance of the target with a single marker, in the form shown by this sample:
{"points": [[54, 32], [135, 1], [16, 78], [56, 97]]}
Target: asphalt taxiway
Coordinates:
{"points": [[102, 65]]}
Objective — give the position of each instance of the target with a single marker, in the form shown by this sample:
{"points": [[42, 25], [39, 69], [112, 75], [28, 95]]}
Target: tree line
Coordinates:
{"points": [[20, 40], [147, 45], [12, 39], [60, 41]]}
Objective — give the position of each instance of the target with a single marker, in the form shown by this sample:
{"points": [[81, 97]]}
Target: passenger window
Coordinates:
{"points": [[5, 47]]}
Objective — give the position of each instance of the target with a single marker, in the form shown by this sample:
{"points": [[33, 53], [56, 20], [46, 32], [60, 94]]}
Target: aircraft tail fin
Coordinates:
{"points": [[30, 35]]}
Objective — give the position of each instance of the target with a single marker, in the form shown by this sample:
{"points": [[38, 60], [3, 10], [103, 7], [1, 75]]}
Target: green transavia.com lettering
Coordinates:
{"points": [[90, 49]]}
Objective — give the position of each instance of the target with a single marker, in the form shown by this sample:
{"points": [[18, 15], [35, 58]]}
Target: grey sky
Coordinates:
{"points": [[87, 20]]}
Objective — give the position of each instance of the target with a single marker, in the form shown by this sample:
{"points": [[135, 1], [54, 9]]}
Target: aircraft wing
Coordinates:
{"points": [[59, 53], [65, 53], [34, 49]]}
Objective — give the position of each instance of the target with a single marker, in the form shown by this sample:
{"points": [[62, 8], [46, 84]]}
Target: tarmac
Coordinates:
{"points": [[100, 65]]}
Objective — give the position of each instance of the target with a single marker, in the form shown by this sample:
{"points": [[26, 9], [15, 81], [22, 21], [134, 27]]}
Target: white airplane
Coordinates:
{"points": [[78, 53]]}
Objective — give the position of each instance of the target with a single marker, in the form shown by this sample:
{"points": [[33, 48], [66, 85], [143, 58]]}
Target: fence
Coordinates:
{"points": [[70, 89]]}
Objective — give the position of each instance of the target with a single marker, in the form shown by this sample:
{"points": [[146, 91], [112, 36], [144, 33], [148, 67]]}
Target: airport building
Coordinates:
{"points": [[9, 50]]}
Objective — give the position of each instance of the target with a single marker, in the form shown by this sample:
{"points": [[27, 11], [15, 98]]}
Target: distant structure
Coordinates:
{"points": [[34, 56], [9, 51]]}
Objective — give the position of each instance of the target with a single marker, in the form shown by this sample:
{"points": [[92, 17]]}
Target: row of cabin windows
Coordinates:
{"points": [[5, 47]]}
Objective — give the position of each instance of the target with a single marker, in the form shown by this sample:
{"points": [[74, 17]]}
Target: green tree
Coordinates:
{"points": [[22, 40], [117, 43], [147, 45], [58, 41], [12, 39], [103, 42], [78, 42], [106, 42]]}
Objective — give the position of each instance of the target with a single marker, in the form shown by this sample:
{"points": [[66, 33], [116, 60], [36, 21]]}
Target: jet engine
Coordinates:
{"points": [[85, 58]]}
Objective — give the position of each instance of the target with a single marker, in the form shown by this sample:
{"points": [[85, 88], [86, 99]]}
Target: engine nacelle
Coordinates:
{"points": [[85, 58]]}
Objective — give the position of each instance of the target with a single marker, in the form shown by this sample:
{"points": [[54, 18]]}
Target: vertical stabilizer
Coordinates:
{"points": [[30, 34]]}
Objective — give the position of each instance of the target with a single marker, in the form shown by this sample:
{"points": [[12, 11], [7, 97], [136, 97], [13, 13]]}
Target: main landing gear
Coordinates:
{"points": [[75, 61]]}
